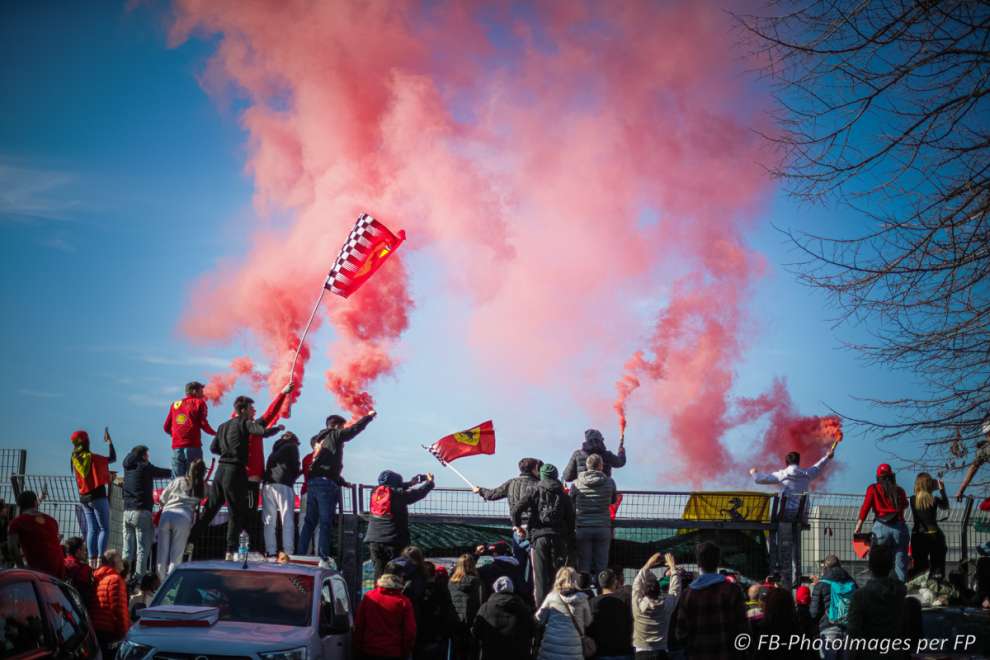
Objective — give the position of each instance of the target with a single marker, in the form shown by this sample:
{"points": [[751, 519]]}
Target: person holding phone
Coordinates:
{"points": [[928, 547]]}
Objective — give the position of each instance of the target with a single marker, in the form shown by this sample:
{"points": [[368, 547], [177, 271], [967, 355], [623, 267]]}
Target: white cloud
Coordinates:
{"points": [[28, 195]]}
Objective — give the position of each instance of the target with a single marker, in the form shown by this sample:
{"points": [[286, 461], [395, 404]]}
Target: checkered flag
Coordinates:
{"points": [[437, 453], [367, 247]]}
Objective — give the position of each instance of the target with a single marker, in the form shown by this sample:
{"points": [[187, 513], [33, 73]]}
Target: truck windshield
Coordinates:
{"points": [[252, 597]]}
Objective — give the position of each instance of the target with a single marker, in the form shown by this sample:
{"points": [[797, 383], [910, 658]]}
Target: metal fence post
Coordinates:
{"points": [[964, 536]]}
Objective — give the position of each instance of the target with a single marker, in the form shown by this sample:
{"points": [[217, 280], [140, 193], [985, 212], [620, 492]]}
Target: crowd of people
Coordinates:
{"points": [[551, 593]]}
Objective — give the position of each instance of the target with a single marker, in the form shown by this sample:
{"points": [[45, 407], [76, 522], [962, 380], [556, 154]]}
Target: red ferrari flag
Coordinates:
{"points": [[367, 247], [477, 440]]}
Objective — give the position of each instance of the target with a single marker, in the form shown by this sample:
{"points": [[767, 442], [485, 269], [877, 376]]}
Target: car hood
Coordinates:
{"points": [[223, 637]]}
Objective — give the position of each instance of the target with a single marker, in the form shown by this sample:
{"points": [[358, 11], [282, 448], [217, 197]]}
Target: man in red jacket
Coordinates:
{"points": [[385, 626], [186, 419]]}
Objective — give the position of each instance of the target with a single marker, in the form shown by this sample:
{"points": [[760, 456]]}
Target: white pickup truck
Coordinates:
{"points": [[233, 611]]}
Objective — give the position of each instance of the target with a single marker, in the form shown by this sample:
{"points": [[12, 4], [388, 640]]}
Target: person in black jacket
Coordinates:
{"points": [[611, 618], [503, 564], [139, 531], [388, 528], [281, 472], [832, 626], [550, 529], [230, 483], [326, 478], [465, 593], [594, 443], [504, 625], [516, 489]]}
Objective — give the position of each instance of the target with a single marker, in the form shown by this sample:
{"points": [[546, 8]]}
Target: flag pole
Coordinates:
{"points": [[452, 468], [292, 369]]}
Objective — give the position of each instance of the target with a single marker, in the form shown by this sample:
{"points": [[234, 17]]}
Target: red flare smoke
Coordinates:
{"points": [[220, 384]]}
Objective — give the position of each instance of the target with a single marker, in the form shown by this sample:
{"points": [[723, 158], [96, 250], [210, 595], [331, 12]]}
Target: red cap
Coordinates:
{"points": [[884, 470], [803, 595], [79, 436]]}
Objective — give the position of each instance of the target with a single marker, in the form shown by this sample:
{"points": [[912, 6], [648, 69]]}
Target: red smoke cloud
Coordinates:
{"points": [[528, 150], [220, 384]]}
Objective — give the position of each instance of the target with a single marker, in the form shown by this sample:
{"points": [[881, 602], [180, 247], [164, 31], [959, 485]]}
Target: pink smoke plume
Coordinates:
{"points": [[219, 384], [527, 151]]}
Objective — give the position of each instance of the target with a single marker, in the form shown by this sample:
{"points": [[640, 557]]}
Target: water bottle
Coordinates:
{"points": [[242, 550]]}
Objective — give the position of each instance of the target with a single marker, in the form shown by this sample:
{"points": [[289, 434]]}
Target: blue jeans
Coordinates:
{"points": [[520, 550], [139, 533], [322, 496], [97, 515], [896, 536], [182, 457]]}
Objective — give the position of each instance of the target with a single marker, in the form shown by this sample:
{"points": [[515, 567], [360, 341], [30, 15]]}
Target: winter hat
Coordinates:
{"points": [[390, 479], [548, 471], [594, 439], [289, 436], [803, 595], [884, 470], [389, 581], [80, 439], [504, 585]]}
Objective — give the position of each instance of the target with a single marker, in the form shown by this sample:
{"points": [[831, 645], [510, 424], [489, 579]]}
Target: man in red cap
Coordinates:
{"points": [[186, 419]]}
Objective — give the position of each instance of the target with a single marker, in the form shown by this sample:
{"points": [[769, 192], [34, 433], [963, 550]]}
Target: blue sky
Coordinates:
{"points": [[121, 182]]}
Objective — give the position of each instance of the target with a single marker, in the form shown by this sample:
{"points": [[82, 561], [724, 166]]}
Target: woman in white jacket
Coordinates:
{"points": [[180, 502], [565, 614]]}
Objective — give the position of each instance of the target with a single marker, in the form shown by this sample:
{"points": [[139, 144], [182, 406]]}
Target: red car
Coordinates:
{"points": [[41, 617]]}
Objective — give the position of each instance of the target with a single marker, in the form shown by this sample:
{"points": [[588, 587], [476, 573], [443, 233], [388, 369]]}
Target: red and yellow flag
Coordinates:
{"points": [[479, 439]]}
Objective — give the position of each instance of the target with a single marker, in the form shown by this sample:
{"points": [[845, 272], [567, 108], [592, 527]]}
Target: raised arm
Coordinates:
{"points": [[816, 469], [161, 473], [766, 478], [616, 460], [498, 493], [420, 490], [347, 434]]}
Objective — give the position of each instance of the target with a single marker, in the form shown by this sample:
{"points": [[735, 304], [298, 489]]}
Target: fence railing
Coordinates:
{"points": [[453, 520]]}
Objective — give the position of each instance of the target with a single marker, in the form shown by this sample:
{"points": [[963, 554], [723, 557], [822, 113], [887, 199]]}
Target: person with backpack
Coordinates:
{"points": [[388, 528], [279, 501], [928, 547], [594, 443], [139, 530], [514, 490], [326, 478], [830, 599], [887, 501], [504, 625], [593, 494], [550, 529]]}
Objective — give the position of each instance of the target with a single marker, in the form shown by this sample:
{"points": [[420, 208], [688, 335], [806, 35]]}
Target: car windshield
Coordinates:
{"points": [[252, 597]]}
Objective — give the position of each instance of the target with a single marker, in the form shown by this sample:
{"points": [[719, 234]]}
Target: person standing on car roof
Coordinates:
{"points": [[326, 478], [139, 530], [279, 499], [230, 483]]}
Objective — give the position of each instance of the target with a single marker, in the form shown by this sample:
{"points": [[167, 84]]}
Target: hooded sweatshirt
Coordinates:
{"points": [[651, 616], [594, 443], [593, 492], [283, 463], [392, 528], [178, 497], [139, 476], [878, 610], [504, 627]]}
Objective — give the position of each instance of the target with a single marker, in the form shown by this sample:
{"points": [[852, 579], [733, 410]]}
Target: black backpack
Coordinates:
{"points": [[549, 510]]}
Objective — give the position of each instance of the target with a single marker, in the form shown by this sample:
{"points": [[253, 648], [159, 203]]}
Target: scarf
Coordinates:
{"points": [[82, 461]]}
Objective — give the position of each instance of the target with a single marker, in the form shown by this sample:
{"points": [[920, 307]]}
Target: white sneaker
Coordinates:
{"points": [[229, 556], [327, 563]]}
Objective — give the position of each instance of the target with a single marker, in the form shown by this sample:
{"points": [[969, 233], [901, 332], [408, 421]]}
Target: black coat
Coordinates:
{"points": [[511, 569], [283, 463], [329, 463], [139, 476], [593, 444], [466, 596], [232, 439], [549, 490], [515, 489], [504, 628], [612, 624], [394, 530]]}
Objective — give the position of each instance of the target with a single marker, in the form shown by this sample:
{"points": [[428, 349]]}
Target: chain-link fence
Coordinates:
{"points": [[12, 462]]}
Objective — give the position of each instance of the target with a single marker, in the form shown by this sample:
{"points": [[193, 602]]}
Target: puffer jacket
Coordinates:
{"points": [[108, 606], [593, 492], [594, 443], [561, 640], [466, 596]]}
